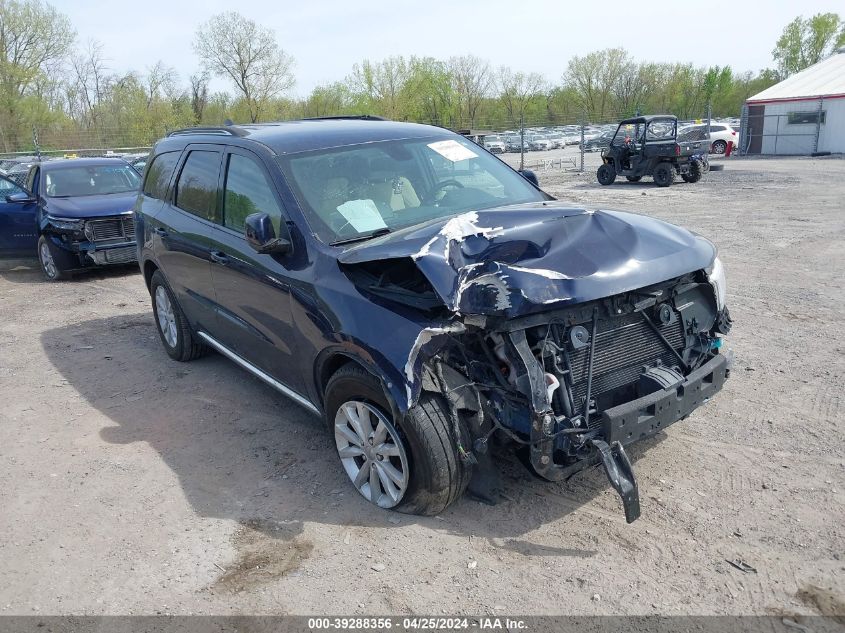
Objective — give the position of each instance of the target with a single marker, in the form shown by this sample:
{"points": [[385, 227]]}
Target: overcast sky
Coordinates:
{"points": [[327, 36]]}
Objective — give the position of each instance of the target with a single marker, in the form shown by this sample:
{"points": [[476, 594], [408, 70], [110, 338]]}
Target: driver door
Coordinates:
{"points": [[18, 221]]}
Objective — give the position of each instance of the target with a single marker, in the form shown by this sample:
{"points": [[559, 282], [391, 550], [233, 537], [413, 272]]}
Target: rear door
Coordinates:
{"points": [[253, 290], [18, 222], [181, 233]]}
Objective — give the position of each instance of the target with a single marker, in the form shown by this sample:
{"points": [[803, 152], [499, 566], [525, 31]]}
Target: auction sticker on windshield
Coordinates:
{"points": [[452, 150], [363, 215]]}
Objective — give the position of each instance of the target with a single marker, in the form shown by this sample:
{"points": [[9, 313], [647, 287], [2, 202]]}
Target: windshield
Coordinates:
{"points": [[91, 180], [356, 191]]}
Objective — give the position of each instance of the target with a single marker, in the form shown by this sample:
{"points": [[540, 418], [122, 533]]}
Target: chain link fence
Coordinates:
{"points": [[527, 136]]}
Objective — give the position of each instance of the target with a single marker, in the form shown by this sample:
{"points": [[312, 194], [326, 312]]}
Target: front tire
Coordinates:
{"points": [[56, 263], [173, 329], [664, 175], [606, 174], [410, 465]]}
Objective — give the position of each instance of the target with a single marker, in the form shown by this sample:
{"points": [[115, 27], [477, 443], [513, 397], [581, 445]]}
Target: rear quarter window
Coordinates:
{"points": [[159, 173], [196, 189]]}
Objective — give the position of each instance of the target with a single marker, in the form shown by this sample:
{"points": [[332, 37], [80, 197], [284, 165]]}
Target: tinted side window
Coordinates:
{"points": [[8, 188], [717, 128], [159, 173], [248, 191], [196, 189]]}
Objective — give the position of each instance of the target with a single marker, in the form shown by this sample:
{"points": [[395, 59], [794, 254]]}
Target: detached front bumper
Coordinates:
{"points": [[630, 422], [646, 416]]}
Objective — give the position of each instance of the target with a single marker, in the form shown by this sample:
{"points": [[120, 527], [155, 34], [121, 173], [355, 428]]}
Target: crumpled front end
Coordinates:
{"points": [[96, 241], [568, 332], [574, 386]]}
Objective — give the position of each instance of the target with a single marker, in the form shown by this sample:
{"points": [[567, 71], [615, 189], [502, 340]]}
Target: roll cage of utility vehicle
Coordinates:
{"points": [[649, 146]]}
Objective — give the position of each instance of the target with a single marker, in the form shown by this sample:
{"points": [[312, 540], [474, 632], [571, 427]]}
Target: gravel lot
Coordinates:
{"points": [[133, 484]]}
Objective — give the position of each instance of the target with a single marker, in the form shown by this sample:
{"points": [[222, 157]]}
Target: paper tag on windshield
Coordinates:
{"points": [[363, 215], [452, 150]]}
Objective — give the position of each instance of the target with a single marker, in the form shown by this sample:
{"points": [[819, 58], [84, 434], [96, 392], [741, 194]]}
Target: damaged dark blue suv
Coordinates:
{"points": [[428, 301]]}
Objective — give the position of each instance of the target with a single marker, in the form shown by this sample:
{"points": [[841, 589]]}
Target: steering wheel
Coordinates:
{"points": [[430, 197]]}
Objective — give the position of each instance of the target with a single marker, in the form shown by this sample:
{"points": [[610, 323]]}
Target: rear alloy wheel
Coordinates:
{"points": [[411, 465], [719, 147], [664, 175], [606, 174], [173, 329], [56, 263]]}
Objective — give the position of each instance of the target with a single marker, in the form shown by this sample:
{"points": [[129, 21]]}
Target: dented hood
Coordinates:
{"points": [[518, 260]]}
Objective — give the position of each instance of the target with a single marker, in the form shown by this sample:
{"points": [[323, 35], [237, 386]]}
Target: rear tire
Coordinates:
{"points": [[173, 329], [664, 175], [56, 263], [606, 174], [695, 171], [719, 147], [436, 475]]}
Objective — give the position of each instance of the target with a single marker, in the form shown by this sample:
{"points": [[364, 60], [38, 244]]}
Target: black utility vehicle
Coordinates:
{"points": [[428, 302], [648, 146]]}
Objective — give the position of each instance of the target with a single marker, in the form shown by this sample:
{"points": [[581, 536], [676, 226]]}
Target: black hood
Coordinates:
{"points": [[92, 206], [517, 260]]}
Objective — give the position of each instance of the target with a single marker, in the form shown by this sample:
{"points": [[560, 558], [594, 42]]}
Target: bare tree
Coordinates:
{"points": [[518, 90], [230, 45], [90, 76], [472, 80], [199, 93], [160, 80]]}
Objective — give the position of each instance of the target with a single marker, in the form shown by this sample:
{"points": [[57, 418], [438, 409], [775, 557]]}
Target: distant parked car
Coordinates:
{"points": [[541, 144], [494, 144], [73, 214], [599, 142], [720, 134]]}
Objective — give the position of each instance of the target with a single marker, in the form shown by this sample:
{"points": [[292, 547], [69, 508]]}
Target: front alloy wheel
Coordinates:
{"points": [[371, 453]]}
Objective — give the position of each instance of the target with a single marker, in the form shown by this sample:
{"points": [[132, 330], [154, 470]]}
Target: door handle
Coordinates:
{"points": [[160, 231], [218, 257]]}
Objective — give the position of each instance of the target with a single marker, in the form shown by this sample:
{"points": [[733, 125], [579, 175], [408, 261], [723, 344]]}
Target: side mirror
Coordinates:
{"points": [[530, 176], [259, 233], [20, 198]]}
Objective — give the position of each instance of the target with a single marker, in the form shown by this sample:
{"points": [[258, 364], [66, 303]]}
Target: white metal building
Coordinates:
{"points": [[802, 114]]}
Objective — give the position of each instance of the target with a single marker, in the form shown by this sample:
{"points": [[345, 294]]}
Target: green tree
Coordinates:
{"points": [[806, 41], [34, 40], [230, 45]]}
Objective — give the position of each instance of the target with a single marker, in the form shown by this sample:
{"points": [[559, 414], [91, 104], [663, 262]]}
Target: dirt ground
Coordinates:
{"points": [[133, 484]]}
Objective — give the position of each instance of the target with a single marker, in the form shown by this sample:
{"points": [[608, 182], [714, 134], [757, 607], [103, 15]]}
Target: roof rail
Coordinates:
{"points": [[359, 117], [229, 130]]}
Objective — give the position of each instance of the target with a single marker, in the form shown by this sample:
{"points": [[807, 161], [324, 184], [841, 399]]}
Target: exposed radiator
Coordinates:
{"points": [[111, 230], [623, 346]]}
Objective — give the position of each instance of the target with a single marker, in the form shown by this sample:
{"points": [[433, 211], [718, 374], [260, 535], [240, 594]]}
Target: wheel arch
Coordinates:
{"points": [[149, 267], [331, 360]]}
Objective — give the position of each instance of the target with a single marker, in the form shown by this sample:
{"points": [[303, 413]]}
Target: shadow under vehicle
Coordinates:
{"points": [[649, 146]]}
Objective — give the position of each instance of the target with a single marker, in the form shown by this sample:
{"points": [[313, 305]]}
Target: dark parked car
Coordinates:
{"points": [[427, 301], [73, 213]]}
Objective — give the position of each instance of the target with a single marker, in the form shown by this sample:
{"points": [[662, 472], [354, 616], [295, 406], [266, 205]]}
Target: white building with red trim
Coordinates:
{"points": [[803, 114]]}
